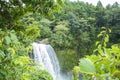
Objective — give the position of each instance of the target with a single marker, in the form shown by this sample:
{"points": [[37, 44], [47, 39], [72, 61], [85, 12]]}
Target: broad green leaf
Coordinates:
{"points": [[115, 49], [99, 35], [100, 49], [86, 66], [106, 38], [13, 51], [102, 32], [97, 42], [13, 37], [103, 28], [0, 43], [2, 53], [109, 30], [7, 40]]}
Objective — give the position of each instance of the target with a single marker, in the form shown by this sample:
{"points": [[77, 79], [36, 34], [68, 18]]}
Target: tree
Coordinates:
{"points": [[113, 19], [17, 31], [12, 10], [100, 13]]}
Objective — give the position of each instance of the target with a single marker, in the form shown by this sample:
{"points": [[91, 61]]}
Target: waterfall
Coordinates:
{"points": [[46, 56]]}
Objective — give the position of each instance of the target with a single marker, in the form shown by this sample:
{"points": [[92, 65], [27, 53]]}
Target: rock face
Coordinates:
{"points": [[42, 42], [45, 41]]}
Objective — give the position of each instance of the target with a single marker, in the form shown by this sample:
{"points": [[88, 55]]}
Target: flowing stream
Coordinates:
{"points": [[46, 56]]}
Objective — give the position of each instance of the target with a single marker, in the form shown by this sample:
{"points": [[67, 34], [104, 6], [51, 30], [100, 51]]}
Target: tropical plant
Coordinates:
{"points": [[103, 65]]}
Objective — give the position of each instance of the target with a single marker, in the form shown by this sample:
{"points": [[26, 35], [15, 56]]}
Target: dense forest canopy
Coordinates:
{"points": [[76, 30], [18, 30]]}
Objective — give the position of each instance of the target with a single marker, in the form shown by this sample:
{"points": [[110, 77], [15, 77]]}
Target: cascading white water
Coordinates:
{"points": [[45, 55]]}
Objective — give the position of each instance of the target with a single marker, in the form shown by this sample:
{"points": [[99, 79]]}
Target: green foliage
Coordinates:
{"points": [[72, 33], [60, 36], [14, 59], [45, 32], [67, 58], [77, 26], [102, 44], [86, 66], [18, 29], [40, 75], [105, 64], [61, 27], [75, 73], [11, 63], [12, 10]]}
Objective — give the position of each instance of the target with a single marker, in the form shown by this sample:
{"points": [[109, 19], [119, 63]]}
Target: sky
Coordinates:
{"points": [[104, 2]]}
